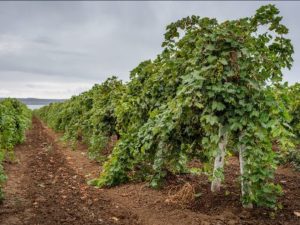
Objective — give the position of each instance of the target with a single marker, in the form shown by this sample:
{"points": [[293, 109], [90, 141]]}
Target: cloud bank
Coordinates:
{"points": [[59, 49]]}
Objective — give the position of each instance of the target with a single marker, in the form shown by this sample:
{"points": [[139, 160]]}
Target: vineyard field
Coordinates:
{"points": [[205, 133], [48, 186]]}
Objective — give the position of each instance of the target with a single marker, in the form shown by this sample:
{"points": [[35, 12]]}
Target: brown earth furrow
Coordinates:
{"points": [[48, 186], [222, 208], [44, 189], [147, 204]]}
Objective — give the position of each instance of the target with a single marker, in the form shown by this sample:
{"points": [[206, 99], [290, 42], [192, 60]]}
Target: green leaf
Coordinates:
{"points": [[218, 106], [211, 59], [210, 47], [223, 61]]}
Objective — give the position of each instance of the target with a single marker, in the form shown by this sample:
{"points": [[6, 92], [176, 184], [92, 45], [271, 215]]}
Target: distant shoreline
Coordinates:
{"points": [[37, 101]]}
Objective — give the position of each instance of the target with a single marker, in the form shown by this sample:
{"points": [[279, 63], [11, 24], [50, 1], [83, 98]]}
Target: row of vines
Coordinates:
{"points": [[215, 89], [15, 118]]}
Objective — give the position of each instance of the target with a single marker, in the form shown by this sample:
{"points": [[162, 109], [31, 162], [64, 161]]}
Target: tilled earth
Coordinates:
{"points": [[47, 185], [43, 189]]}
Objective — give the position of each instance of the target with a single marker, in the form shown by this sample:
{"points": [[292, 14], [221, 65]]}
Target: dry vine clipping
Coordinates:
{"points": [[184, 196]]}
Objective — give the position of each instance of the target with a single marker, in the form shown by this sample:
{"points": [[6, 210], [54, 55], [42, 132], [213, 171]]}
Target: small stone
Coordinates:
{"points": [[297, 213], [115, 218], [41, 185]]}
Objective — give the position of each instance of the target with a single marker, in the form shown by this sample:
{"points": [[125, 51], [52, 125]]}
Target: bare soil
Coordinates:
{"points": [[43, 188], [48, 186]]}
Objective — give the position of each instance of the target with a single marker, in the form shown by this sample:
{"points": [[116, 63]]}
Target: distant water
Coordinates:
{"points": [[34, 106]]}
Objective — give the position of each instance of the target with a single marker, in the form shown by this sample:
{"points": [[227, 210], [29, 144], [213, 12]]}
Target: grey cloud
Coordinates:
{"points": [[44, 40], [75, 44]]}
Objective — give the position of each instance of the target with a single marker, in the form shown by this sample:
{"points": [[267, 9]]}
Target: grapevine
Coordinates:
{"points": [[15, 118], [210, 92]]}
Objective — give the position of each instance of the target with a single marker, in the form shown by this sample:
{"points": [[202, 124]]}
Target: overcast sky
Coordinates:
{"points": [[58, 49]]}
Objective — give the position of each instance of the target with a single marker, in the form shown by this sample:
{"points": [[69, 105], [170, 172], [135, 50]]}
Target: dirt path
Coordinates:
{"points": [[48, 186], [43, 189], [148, 205]]}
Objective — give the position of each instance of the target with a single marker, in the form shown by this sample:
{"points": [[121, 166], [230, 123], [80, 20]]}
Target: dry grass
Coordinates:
{"points": [[185, 195]]}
